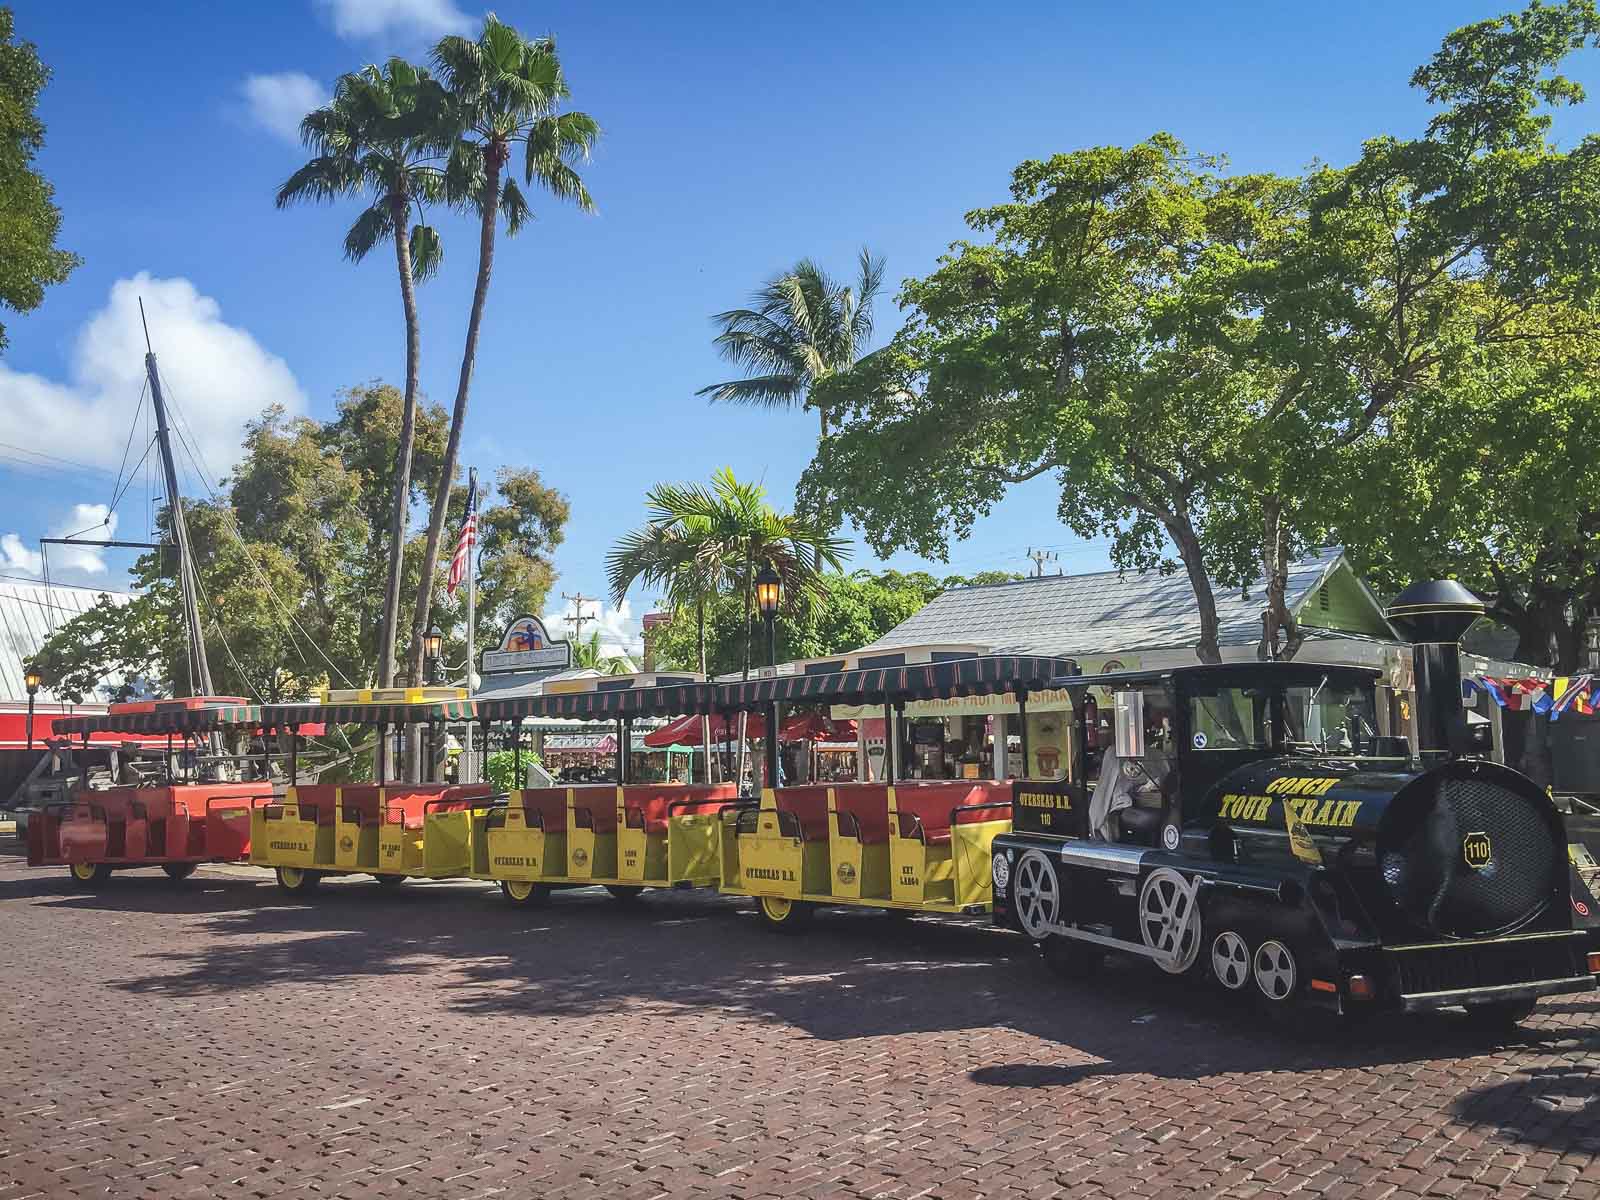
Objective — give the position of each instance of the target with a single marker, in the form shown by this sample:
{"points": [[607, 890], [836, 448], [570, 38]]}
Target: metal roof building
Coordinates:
{"points": [[1115, 614], [28, 614]]}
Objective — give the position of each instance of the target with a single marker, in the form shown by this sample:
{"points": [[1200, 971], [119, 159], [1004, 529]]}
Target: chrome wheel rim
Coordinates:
{"points": [[292, 877], [84, 871], [518, 889], [1169, 920], [1038, 894], [1230, 960], [1275, 971]]}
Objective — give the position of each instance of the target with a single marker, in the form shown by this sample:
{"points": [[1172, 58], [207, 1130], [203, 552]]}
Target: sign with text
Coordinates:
{"points": [[527, 646]]}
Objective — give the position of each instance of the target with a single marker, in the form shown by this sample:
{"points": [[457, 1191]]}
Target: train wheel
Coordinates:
{"points": [[297, 880], [1069, 959], [1275, 971], [785, 916], [1230, 960], [390, 881], [625, 893], [1169, 920], [520, 891], [89, 875], [1036, 895], [177, 871], [1501, 1017]]}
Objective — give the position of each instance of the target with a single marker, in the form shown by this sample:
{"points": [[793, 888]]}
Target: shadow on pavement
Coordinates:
{"points": [[856, 974], [1557, 1107]]}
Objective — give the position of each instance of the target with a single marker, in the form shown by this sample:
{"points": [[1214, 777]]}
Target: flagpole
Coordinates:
{"points": [[472, 623]]}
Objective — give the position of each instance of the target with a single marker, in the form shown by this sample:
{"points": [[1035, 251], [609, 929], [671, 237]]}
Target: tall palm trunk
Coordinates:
{"points": [[390, 620], [495, 155]]}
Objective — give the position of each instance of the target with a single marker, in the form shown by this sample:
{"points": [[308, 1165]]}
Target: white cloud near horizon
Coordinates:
{"points": [[94, 521], [277, 103], [215, 377], [377, 18]]}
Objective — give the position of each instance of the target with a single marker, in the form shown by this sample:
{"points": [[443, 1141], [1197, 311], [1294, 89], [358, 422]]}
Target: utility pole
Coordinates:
{"points": [[577, 619], [1039, 558], [200, 676]]}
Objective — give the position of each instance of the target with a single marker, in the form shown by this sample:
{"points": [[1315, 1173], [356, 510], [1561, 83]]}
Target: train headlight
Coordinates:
{"points": [[1002, 872]]}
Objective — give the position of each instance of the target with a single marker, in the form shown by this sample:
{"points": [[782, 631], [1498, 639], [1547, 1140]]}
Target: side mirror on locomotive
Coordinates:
{"points": [[1279, 844]]}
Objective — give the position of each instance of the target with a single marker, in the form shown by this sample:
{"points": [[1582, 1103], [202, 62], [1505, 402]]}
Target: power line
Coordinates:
{"points": [[52, 458]]}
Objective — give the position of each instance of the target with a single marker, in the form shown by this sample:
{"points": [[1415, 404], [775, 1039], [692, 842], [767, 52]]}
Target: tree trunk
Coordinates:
{"points": [[402, 460], [1277, 619], [1187, 541], [494, 159]]}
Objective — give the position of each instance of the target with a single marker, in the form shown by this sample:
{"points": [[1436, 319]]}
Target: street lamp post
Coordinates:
{"points": [[432, 652], [769, 594], [31, 680]]}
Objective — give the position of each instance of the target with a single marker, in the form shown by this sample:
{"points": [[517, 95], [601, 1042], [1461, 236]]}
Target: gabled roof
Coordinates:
{"points": [[29, 612], [1107, 612]]}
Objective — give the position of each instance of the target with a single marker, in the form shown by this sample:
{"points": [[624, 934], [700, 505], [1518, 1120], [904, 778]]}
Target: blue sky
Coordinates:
{"points": [[738, 138]]}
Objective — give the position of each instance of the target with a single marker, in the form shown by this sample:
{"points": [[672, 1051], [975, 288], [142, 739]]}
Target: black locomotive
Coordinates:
{"points": [[1250, 823]]}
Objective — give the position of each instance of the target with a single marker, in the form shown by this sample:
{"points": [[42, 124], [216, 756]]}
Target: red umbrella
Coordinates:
{"points": [[685, 731], [814, 727]]}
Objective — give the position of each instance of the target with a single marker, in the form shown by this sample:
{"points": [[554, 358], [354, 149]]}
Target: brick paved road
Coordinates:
{"points": [[214, 1039]]}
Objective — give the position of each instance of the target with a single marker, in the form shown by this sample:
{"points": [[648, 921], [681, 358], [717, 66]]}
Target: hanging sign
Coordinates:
{"points": [[527, 646]]}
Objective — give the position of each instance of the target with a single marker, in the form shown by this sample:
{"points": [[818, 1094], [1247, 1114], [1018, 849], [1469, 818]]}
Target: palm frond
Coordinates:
{"points": [[374, 225]]}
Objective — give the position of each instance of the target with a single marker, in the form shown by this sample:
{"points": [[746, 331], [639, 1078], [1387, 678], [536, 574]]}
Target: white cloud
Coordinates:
{"points": [[375, 18], [215, 376], [620, 629], [277, 103], [93, 521]]}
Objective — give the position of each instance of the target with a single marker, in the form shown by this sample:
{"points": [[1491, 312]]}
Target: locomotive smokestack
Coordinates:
{"points": [[1434, 617]]}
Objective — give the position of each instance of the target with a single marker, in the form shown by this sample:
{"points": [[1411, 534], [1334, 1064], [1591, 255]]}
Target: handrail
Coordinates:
{"points": [[210, 800], [961, 808], [629, 812], [673, 805], [919, 832], [855, 822], [582, 810]]}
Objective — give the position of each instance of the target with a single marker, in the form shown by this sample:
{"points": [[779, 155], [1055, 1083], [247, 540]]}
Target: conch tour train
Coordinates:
{"points": [[1244, 824]]}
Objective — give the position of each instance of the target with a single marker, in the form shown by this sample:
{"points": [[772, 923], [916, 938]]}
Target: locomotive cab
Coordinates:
{"points": [[1250, 823]]}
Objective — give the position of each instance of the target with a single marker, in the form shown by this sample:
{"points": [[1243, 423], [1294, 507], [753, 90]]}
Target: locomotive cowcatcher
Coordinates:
{"points": [[1251, 825]]}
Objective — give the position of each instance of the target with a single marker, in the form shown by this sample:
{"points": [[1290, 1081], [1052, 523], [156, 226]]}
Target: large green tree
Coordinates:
{"points": [[1075, 343], [505, 92], [801, 326], [376, 139], [1488, 475], [29, 218]]}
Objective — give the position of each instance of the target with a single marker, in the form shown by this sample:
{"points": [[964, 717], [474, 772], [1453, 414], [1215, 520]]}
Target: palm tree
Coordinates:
{"points": [[592, 655], [700, 539], [801, 327], [375, 138], [503, 91]]}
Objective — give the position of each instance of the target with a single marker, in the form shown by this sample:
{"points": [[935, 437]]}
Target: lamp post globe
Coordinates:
{"points": [[31, 680], [432, 651]]}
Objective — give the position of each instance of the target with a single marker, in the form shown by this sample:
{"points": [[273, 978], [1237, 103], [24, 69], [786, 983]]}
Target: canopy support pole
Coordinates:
{"points": [[1022, 721], [625, 749], [621, 758], [294, 755], [888, 740], [381, 757], [516, 751], [483, 728]]}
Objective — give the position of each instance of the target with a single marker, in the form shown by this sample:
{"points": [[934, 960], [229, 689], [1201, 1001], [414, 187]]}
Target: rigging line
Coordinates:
{"points": [[81, 587], [231, 523], [117, 499], [128, 445], [212, 612]]}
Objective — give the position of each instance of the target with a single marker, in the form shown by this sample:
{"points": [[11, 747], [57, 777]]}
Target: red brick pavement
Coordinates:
{"points": [[213, 1039]]}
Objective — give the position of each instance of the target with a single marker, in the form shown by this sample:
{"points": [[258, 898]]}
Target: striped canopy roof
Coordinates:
{"points": [[283, 716], [982, 675], [671, 700], [173, 720]]}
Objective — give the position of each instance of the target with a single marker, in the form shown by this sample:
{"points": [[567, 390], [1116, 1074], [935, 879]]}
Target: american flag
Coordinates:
{"points": [[468, 538]]}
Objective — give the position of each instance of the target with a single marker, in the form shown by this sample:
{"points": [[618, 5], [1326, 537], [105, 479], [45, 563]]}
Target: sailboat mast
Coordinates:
{"points": [[200, 683]]}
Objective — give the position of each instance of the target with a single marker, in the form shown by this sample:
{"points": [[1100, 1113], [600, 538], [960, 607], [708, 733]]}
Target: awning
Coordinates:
{"points": [[605, 702], [685, 731], [973, 676], [174, 721], [282, 716]]}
